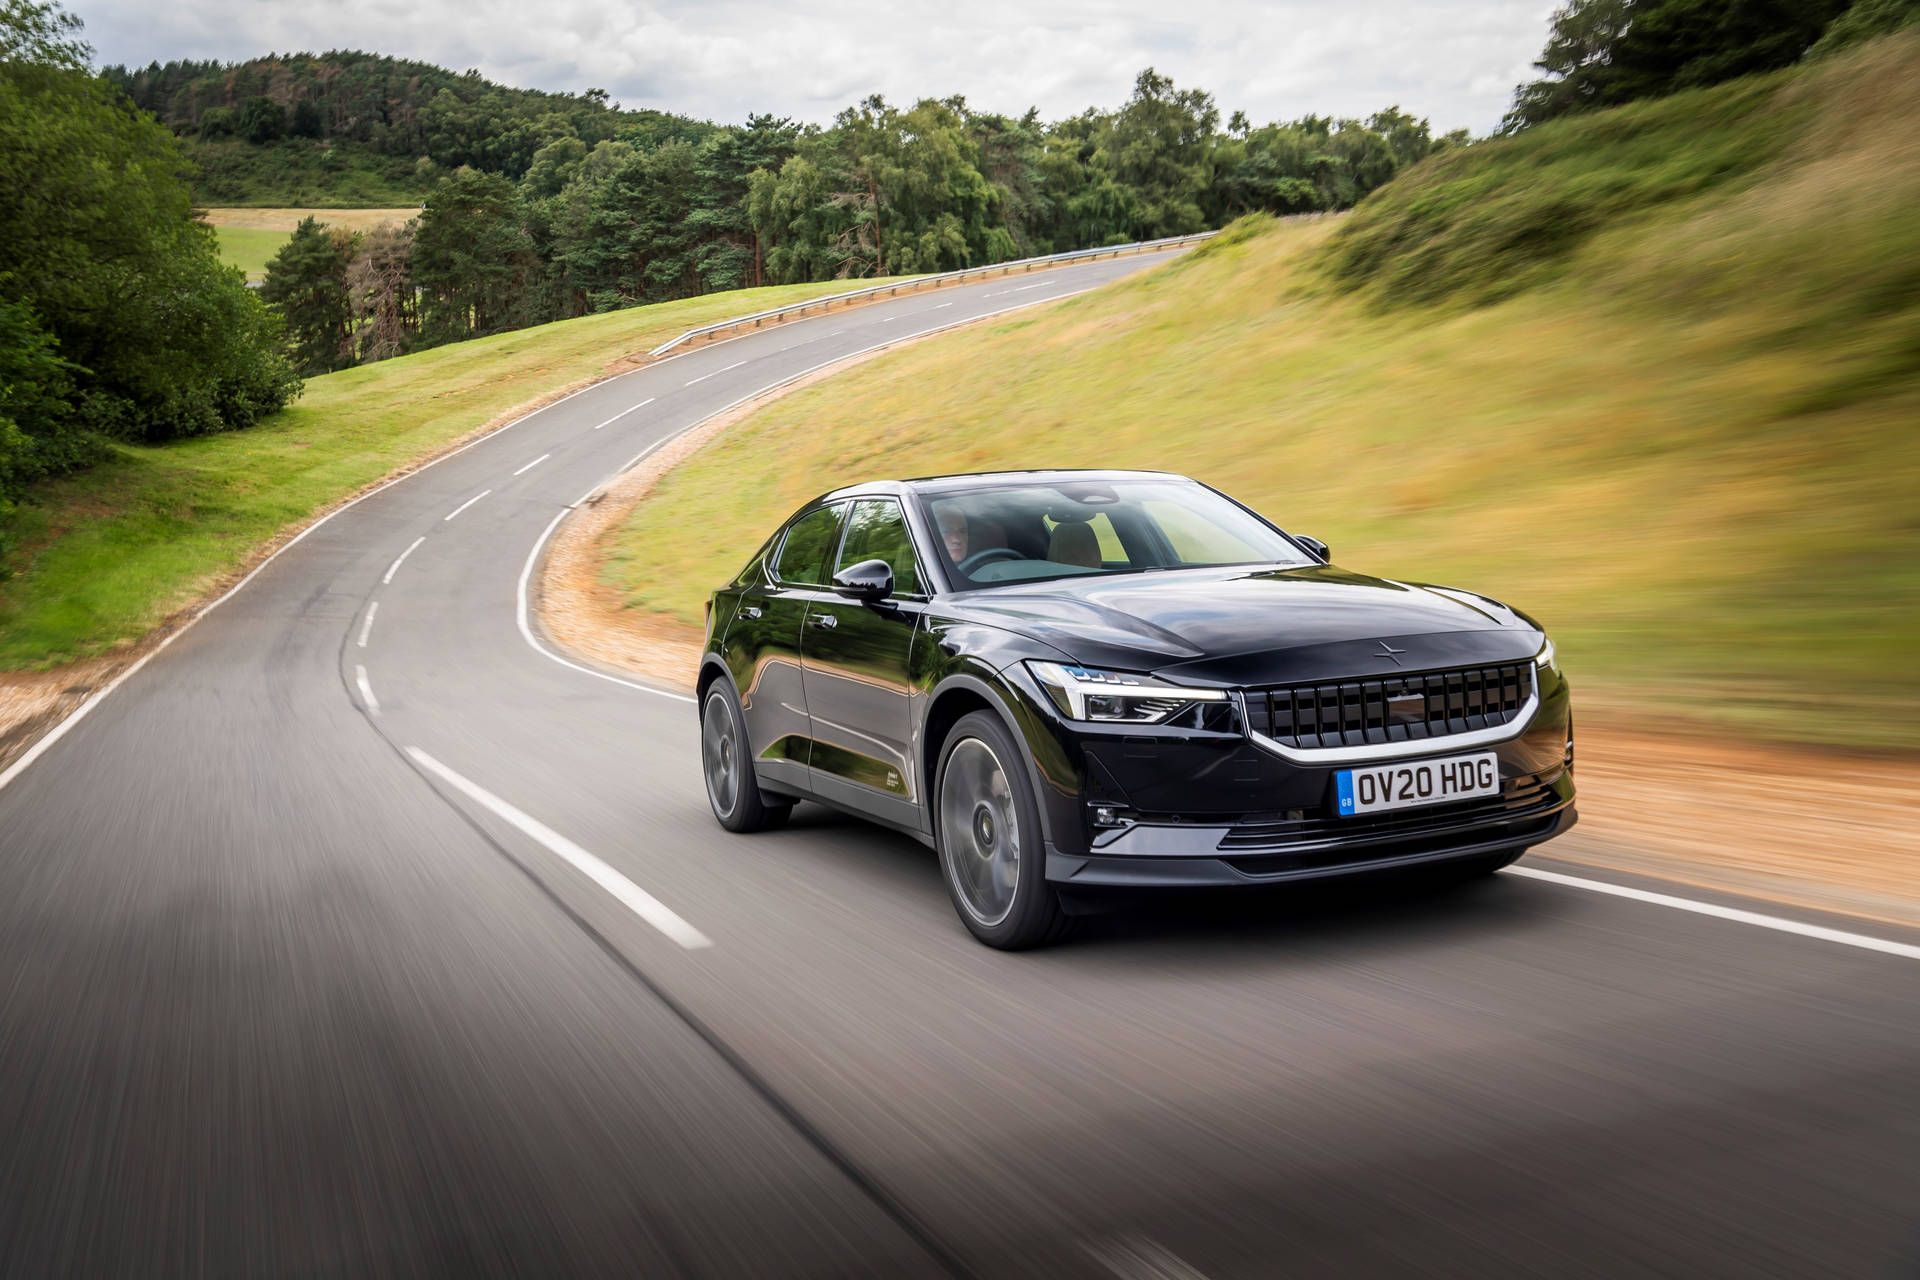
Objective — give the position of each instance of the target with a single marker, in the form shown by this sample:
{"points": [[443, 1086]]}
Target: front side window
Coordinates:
{"points": [[808, 549], [1030, 532], [877, 530]]}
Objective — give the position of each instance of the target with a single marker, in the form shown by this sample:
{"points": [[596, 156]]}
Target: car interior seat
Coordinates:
{"points": [[1074, 542]]}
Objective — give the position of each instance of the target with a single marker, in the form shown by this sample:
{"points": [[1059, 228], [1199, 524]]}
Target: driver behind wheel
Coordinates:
{"points": [[963, 536], [953, 531]]}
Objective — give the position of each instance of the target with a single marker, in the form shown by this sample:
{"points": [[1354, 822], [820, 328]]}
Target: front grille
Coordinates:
{"points": [[1358, 713]]}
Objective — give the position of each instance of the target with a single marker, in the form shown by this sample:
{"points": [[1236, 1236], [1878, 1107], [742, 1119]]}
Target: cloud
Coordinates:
{"points": [[1454, 61]]}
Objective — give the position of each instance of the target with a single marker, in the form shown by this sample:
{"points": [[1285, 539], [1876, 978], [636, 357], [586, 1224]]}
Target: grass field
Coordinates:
{"points": [[250, 237], [107, 554], [1686, 439]]}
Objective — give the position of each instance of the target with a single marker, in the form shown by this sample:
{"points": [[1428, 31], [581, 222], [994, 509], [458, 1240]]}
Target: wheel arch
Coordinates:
{"points": [[711, 669], [956, 697]]}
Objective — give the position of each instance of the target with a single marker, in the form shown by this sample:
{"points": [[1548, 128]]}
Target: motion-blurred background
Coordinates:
{"points": [[1634, 346]]}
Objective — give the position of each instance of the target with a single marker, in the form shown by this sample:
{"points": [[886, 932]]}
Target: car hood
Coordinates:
{"points": [[1257, 626]]}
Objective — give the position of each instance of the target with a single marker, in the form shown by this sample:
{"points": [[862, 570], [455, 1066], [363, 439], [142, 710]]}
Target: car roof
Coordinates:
{"points": [[973, 479]]}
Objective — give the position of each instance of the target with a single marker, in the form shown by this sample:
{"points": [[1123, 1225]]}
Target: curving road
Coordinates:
{"points": [[356, 935]]}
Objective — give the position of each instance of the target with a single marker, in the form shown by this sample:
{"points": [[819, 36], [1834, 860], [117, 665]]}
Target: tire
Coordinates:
{"points": [[726, 766], [987, 830]]}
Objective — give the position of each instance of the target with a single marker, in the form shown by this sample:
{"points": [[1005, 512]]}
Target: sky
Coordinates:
{"points": [[1453, 61]]}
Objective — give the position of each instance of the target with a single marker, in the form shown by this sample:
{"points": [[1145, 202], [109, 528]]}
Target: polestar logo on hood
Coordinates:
{"points": [[1388, 650]]}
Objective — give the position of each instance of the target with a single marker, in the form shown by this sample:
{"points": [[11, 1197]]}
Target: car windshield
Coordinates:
{"points": [[1031, 532]]}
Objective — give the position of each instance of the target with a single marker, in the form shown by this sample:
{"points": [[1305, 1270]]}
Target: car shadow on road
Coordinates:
{"points": [[1429, 907]]}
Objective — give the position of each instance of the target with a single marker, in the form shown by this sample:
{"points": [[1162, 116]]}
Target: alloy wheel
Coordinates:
{"points": [[980, 830], [720, 755]]}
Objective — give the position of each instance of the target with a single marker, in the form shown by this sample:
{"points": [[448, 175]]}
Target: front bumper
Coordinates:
{"points": [[1208, 865], [1166, 807]]}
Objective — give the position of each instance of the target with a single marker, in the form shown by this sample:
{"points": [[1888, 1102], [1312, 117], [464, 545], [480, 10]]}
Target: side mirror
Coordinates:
{"points": [[1314, 545], [867, 581]]}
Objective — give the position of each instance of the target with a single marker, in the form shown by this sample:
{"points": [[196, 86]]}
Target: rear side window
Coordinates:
{"points": [[877, 531], [808, 550]]}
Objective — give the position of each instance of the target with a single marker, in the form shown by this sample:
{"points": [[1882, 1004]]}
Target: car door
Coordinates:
{"points": [[857, 664], [767, 630]]}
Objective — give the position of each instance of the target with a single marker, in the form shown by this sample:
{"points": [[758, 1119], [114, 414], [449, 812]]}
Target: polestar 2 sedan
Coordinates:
{"points": [[1077, 683]]}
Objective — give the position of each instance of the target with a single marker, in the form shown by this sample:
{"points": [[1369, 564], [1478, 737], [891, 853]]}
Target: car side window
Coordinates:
{"points": [[876, 530], [808, 549]]}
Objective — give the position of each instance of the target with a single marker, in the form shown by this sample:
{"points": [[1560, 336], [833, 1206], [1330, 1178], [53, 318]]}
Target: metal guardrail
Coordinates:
{"points": [[918, 283]]}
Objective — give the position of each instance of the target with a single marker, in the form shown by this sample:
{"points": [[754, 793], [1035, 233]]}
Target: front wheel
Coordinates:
{"points": [[726, 760], [992, 854]]}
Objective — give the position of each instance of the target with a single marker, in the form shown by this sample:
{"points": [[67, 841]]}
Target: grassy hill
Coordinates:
{"points": [[1651, 374]]}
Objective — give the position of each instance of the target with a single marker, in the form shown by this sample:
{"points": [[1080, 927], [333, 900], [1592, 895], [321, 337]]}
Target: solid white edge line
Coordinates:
{"points": [[1755, 918], [386, 579], [367, 627], [366, 690], [463, 506], [531, 465], [630, 895], [526, 629]]}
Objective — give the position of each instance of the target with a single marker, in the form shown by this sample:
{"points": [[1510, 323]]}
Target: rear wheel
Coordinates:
{"points": [[726, 760], [992, 854]]}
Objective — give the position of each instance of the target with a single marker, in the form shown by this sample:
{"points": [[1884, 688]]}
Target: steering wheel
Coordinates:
{"points": [[990, 555]]}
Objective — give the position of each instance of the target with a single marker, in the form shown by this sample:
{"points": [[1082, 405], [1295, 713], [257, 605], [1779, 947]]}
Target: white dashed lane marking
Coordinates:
{"points": [[630, 895], [366, 691], [624, 412], [703, 377], [401, 559], [469, 502]]}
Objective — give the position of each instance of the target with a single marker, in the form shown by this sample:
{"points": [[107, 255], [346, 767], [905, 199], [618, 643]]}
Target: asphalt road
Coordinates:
{"points": [[301, 973]]}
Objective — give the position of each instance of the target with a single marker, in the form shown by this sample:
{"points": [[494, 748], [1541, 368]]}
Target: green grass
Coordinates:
{"points": [[107, 554], [1688, 444], [249, 248]]}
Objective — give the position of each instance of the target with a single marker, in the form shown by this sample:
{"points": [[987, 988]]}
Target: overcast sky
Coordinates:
{"points": [[1454, 61]]}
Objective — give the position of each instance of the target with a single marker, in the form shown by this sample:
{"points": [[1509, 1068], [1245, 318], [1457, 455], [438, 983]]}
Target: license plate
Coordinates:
{"points": [[1407, 786]]}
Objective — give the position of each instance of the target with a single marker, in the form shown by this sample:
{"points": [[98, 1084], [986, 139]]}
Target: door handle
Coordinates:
{"points": [[750, 611], [826, 620]]}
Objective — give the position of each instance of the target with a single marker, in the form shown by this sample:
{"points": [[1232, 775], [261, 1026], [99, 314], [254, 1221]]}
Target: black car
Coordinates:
{"points": [[1076, 682]]}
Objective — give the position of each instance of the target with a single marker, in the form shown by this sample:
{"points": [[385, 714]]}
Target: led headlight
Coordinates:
{"points": [[1115, 697], [1545, 659]]}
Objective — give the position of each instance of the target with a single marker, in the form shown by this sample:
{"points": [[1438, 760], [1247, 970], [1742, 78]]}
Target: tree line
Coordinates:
{"points": [[388, 106], [1603, 53], [597, 224], [117, 318]]}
